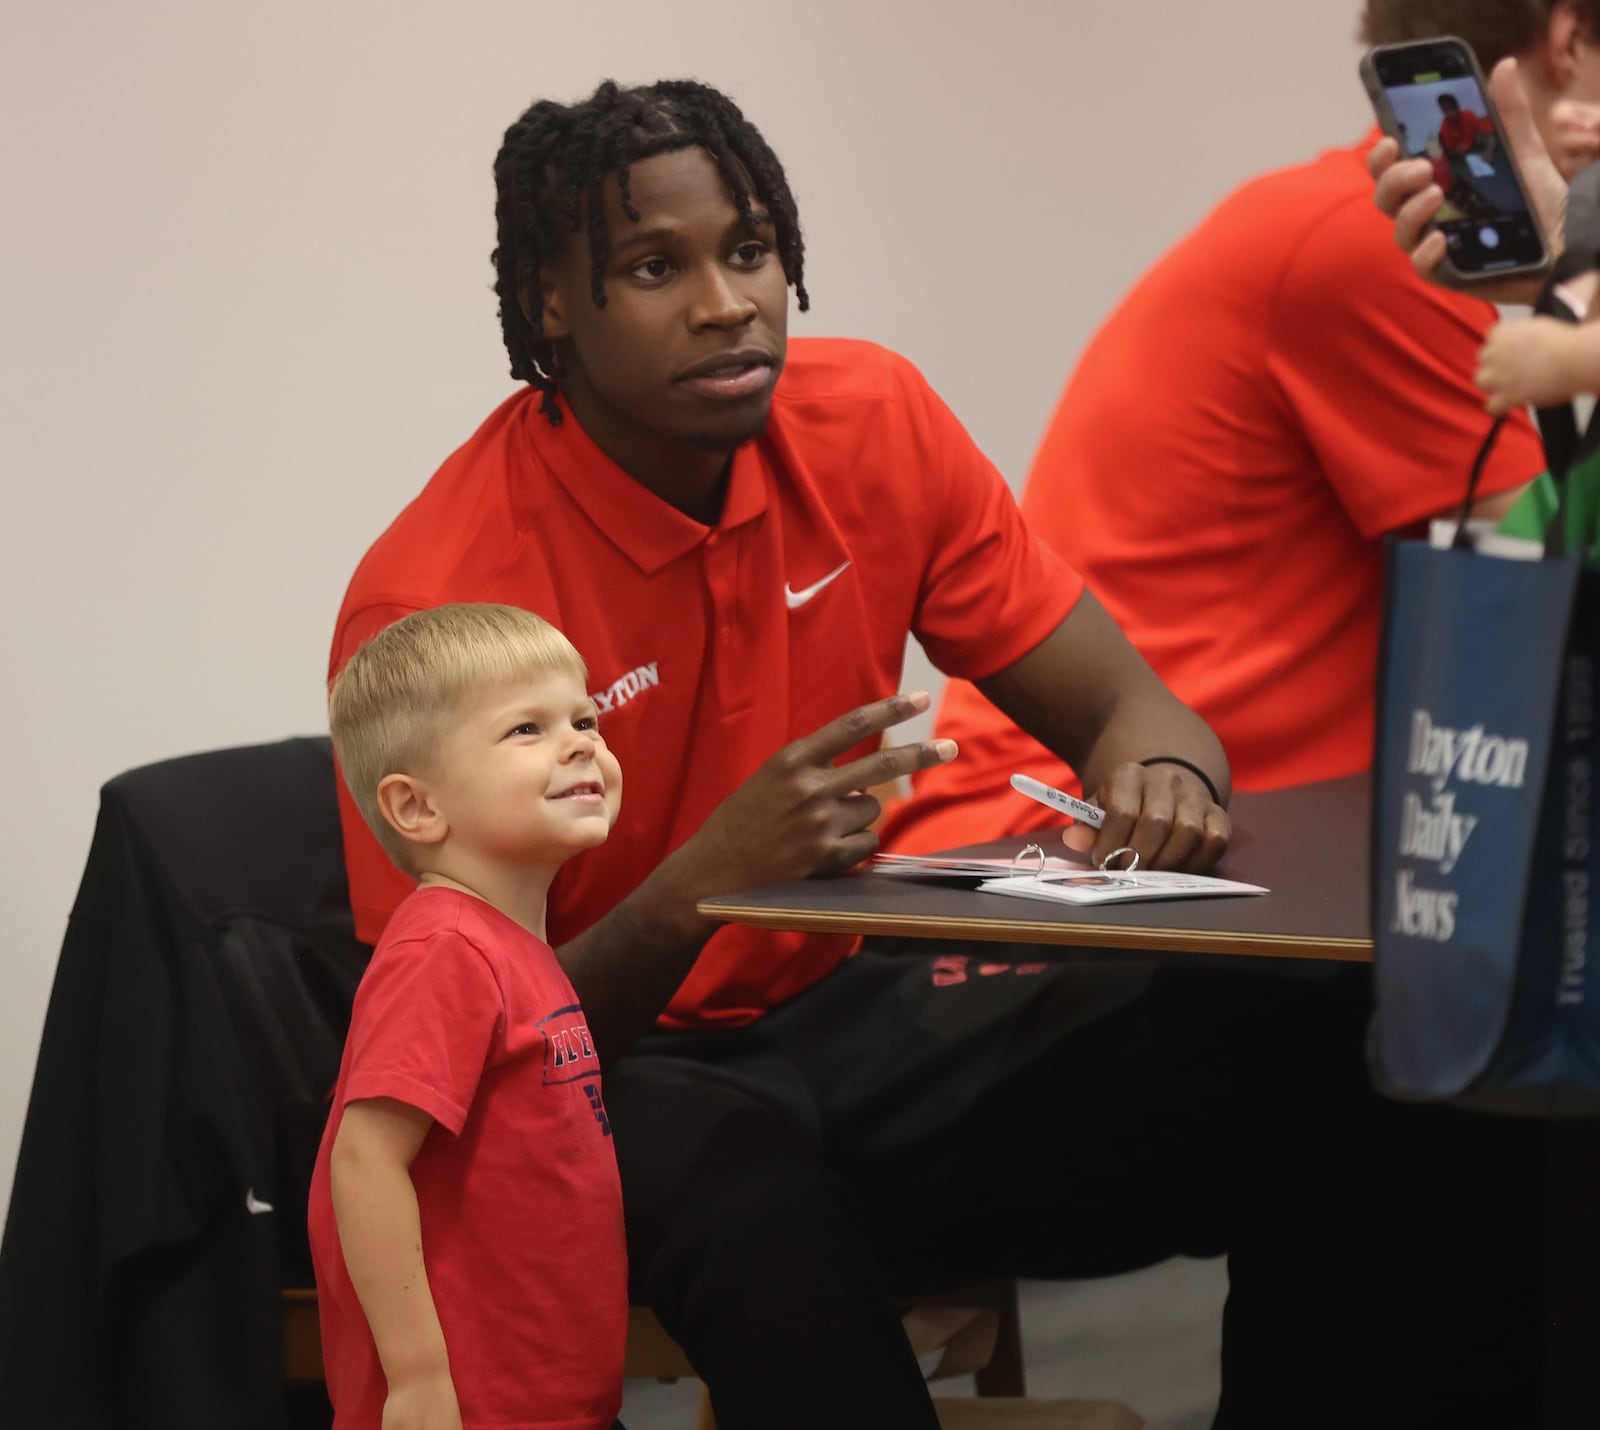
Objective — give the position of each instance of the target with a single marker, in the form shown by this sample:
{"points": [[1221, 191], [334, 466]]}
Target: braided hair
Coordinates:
{"points": [[550, 177]]}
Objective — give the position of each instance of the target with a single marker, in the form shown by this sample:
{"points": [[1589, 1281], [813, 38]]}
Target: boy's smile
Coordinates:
{"points": [[589, 790]]}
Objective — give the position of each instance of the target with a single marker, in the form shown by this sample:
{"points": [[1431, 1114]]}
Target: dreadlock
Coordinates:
{"points": [[550, 177]]}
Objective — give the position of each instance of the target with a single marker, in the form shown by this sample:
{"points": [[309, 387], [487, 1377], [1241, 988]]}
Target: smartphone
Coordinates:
{"points": [[1430, 98]]}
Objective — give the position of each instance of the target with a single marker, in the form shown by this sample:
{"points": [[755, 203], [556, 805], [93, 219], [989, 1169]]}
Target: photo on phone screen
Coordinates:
{"points": [[1430, 97]]}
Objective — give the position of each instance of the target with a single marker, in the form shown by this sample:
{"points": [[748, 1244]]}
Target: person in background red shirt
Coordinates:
{"points": [[1273, 399], [466, 1215], [1462, 132]]}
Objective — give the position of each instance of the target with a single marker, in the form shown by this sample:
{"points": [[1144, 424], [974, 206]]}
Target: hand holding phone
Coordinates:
{"points": [[1430, 97]]}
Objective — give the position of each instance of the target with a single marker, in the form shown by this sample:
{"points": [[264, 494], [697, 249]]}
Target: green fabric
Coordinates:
{"points": [[1535, 508]]}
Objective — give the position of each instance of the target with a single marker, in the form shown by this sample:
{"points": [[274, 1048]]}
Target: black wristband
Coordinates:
{"points": [[1194, 770]]}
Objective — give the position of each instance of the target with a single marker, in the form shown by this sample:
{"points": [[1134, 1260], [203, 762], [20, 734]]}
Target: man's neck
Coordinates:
{"points": [[694, 480], [695, 483]]}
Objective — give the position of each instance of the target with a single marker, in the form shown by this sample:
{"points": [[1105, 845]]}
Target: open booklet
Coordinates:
{"points": [[1109, 886], [1061, 881], [1033, 874]]}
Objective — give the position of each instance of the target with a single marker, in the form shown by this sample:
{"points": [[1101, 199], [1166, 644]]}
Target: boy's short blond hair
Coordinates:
{"points": [[392, 704]]}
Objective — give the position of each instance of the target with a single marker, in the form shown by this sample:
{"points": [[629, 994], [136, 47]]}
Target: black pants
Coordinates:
{"points": [[926, 1116]]}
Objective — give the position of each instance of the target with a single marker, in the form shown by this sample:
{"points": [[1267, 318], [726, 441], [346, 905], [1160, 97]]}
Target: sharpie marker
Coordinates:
{"points": [[1090, 814]]}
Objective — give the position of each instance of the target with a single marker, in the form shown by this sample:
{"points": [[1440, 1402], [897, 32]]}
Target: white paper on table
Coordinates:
{"points": [[1113, 887], [947, 866]]}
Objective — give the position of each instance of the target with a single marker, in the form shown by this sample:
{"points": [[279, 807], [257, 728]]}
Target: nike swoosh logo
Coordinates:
{"points": [[795, 599], [253, 1204]]}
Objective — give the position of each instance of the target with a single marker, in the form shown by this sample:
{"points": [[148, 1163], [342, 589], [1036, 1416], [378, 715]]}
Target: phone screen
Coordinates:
{"points": [[1438, 111]]}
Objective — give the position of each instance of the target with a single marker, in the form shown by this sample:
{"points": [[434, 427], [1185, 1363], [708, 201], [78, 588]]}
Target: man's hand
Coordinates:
{"points": [[797, 815], [1163, 813], [425, 1403], [800, 814], [1529, 362], [1407, 193]]}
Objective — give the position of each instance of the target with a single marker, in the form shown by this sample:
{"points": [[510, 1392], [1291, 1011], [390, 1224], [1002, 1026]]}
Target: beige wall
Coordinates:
{"points": [[247, 304]]}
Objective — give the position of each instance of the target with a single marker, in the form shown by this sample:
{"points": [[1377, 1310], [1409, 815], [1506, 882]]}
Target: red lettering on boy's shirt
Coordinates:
{"points": [[568, 1049]]}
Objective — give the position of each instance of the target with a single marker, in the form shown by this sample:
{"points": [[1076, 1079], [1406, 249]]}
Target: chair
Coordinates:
{"points": [[195, 1026]]}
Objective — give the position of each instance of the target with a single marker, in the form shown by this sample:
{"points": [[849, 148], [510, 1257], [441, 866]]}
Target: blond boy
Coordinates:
{"points": [[466, 1216]]}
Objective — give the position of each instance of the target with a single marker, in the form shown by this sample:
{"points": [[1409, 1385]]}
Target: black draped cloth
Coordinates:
{"points": [[193, 1032]]}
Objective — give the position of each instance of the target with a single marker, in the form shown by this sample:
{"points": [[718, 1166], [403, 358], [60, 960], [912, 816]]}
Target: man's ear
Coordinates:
{"points": [[405, 802], [552, 305]]}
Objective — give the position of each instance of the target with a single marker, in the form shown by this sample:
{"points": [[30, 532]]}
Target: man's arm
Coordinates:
{"points": [[380, 1235], [798, 815], [1088, 695]]}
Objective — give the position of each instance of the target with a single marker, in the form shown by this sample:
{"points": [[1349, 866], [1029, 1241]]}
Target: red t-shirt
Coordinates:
{"points": [[466, 1015], [865, 511], [1274, 396]]}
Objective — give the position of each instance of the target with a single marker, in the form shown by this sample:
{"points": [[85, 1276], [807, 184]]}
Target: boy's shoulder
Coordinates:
{"points": [[440, 933], [444, 915]]}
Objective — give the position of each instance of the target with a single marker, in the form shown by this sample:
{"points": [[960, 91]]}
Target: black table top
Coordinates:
{"points": [[1308, 845]]}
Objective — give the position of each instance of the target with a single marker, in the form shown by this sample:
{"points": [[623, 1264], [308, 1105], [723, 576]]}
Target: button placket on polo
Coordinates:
{"points": [[725, 646]]}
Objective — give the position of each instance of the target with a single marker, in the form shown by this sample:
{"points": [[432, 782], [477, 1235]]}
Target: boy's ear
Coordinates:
{"points": [[405, 802], [1563, 36]]}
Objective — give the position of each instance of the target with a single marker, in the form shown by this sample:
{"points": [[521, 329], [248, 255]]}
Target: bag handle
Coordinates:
{"points": [[1460, 540], [1564, 446]]}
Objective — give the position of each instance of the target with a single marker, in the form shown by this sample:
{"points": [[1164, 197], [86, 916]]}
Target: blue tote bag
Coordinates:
{"points": [[1486, 828]]}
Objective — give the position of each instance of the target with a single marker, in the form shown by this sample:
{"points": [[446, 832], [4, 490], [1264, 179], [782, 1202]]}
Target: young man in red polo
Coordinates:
{"points": [[739, 531]]}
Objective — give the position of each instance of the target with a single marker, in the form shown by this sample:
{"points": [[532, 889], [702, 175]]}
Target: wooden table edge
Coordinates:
{"points": [[1075, 934]]}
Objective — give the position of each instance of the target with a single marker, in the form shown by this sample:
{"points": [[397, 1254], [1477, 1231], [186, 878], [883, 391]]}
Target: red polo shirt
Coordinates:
{"points": [[863, 513]]}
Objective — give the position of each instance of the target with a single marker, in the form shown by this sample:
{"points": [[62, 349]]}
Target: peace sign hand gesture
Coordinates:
{"points": [[800, 814]]}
